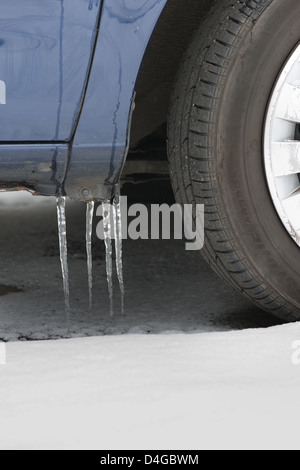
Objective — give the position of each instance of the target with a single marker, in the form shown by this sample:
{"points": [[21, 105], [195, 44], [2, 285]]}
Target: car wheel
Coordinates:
{"points": [[234, 145]]}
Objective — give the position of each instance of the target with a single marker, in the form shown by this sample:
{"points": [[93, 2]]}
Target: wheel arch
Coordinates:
{"points": [[170, 39]]}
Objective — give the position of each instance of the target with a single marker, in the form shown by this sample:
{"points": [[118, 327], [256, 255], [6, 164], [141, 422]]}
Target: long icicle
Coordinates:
{"points": [[118, 245], [108, 245], [89, 231], [62, 233]]}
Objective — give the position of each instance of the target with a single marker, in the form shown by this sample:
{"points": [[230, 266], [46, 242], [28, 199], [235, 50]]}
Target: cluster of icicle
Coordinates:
{"points": [[111, 211]]}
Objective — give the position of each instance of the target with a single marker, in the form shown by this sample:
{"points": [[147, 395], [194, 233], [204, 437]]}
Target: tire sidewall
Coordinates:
{"points": [[240, 139]]}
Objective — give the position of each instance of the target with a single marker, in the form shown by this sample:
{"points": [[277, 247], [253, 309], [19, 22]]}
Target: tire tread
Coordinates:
{"points": [[191, 146]]}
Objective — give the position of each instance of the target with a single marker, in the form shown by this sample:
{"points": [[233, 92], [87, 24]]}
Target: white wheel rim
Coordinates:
{"points": [[282, 146]]}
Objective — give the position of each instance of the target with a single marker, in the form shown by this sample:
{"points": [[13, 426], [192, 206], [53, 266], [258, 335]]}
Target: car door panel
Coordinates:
{"points": [[45, 48]]}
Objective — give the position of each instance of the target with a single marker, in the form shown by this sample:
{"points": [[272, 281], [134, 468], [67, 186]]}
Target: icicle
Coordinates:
{"points": [[89, 231], [62, 232], [108, 245], [118, 245]]}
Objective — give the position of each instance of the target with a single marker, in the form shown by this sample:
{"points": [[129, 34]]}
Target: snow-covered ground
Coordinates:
{"points": [[188, 367], [230, 390]]}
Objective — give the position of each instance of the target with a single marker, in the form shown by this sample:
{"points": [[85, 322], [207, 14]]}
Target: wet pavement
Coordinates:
{"points": [[167, 289]]}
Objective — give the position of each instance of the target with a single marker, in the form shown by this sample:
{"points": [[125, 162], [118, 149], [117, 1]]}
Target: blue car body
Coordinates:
{"points": [[68, 70]]}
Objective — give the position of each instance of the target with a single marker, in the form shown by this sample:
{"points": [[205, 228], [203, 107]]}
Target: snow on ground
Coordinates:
{"points": [[189, 367], [229, 390]]}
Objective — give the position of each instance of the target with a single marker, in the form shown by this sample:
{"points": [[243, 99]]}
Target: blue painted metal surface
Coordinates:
{"points": [[44, 55], [41, 167], [66, 120], [99, 147]]}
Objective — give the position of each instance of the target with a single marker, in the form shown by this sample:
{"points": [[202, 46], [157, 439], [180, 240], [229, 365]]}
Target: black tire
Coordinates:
{"points": [[215, 136]]}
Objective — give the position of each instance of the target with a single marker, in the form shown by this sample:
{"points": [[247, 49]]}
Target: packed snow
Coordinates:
{"points": [[230, 390]]}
